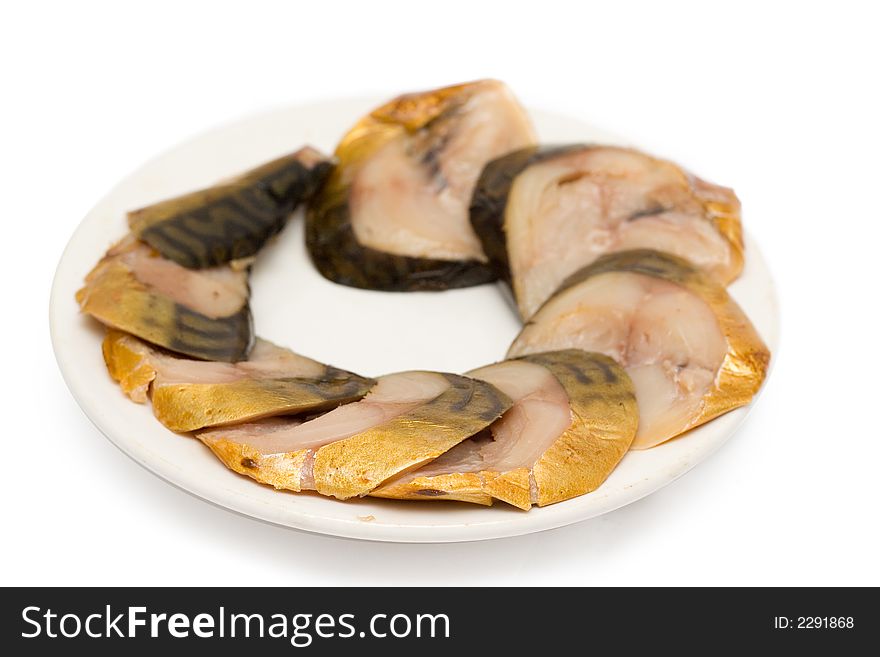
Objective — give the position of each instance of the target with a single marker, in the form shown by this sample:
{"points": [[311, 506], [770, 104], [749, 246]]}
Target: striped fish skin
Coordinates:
{"points": [[188, 395], [115, 296], [601, 404], [423, 123], [544, 212], [605, 417], [233, 219], [355, 466]]}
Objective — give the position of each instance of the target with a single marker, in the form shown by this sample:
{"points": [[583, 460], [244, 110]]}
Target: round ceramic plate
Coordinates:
{"points": [[367, 332]]}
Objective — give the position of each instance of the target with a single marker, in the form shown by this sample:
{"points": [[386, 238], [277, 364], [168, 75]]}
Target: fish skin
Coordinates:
{"points": [[513, 486], [281, 471], [127, 366], [453, 487], [187, 407], [604, 422], [332, 244], [489, 204], [233, 219], [115, 297], [490, 200], [744, 367], [184, 407], [354, 466]]}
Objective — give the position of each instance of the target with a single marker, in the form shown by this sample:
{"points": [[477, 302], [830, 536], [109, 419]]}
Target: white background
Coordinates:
{"points": [[778, 100]]}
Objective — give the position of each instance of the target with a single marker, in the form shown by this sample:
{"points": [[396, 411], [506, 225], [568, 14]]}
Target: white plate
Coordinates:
{"points": [[368, 332]]}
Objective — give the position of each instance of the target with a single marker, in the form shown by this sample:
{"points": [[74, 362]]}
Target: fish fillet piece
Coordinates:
{"points": [[201, 313], [545, 212], [191, 394], [689, 349], [407, 420], [394, 213], [234, 218], [573, 418]]}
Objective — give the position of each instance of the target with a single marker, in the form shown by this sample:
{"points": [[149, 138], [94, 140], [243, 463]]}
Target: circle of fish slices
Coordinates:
{"points": [[617, 262]]}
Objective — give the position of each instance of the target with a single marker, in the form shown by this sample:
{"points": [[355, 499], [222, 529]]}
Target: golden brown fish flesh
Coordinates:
{"points": [[201, 313], [689, 349], [190, 394], [394, 213], [407, 420], [544, 213], [232, 219], [573, 418]]}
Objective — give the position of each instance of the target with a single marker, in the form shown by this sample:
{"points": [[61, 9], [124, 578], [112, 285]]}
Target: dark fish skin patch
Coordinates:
{"points": [[489, 201], [237, 223], [638, 261], [580, 375], [431, 492], [607, 371], [340, 258], [230, 339]]}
